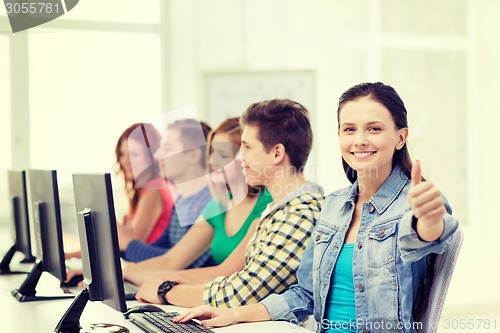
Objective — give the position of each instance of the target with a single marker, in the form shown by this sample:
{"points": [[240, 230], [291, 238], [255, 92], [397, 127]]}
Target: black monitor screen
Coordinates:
{"points": [[47, 225], [19, 209], [99, 239], [19, 224]]}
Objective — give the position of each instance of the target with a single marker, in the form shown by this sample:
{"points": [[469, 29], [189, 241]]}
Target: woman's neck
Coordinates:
{"points": [[368, 185]]}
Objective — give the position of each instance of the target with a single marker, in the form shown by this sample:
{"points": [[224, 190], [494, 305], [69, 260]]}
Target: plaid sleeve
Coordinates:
{"points": [[273, 257]]}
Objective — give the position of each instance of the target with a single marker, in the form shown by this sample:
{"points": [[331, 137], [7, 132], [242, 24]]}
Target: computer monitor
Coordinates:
{"points": [[102, 273], [19, 222], [43, 196]]}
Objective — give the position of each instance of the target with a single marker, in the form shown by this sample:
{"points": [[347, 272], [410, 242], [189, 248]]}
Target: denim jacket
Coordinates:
{"points": [[388, 260]]}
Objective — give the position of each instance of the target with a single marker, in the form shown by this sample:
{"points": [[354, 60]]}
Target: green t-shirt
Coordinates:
{"points": [[215, 213]]}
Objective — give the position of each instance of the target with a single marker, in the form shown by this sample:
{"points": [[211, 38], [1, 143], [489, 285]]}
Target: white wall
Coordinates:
{"points": [[477, 274]]}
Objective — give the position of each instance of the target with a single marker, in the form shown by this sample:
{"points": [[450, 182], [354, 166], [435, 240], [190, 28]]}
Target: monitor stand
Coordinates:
{"points": [[70, 322], [27, 291], [5, 263]]}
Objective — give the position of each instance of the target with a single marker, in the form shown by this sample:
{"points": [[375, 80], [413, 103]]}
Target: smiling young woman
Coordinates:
{"points": [[371, 257]]}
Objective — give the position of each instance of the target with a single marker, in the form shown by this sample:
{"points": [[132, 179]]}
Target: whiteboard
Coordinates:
{"points": [[228, 94]]}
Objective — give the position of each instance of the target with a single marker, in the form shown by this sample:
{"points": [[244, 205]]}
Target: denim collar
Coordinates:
{"points": [[386, 194]]}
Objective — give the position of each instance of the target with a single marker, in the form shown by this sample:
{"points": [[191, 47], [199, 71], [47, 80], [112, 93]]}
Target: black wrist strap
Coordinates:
{"points": [[163, 289]]}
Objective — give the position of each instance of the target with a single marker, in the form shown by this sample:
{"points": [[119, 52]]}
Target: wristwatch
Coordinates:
{"points": [[164, 288]]}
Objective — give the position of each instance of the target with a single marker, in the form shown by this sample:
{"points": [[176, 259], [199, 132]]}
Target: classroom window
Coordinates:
{"points": [[5, 128], [84, 95]]}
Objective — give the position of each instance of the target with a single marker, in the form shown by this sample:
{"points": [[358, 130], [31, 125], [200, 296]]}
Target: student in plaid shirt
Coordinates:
{"points": [[276, 142]]}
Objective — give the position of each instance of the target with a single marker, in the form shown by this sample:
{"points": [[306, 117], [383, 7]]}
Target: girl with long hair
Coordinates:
{"points": [[370, 260]]}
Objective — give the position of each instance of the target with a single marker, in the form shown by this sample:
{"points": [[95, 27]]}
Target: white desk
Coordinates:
{"points": [[43, 316]]}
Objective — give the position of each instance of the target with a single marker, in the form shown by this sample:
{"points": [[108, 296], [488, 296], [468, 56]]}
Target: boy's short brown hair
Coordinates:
{"points": [[282, 121]]}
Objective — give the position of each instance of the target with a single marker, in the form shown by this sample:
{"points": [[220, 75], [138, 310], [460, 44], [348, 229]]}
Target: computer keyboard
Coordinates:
{"points": [[161, 322]]}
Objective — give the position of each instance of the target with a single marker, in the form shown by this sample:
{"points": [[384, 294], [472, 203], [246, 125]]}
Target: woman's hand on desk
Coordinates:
{"points": [[74, 277], [71, 273], [209, 316]]}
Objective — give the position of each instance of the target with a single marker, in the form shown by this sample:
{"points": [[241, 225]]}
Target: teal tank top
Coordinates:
{"points": [[340, 311]]}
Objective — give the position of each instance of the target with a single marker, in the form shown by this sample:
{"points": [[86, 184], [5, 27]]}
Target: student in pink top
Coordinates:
{"points": [[150, 197]]}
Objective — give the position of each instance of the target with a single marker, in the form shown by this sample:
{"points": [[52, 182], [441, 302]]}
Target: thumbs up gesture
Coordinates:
{"points": [[427, 205]]}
